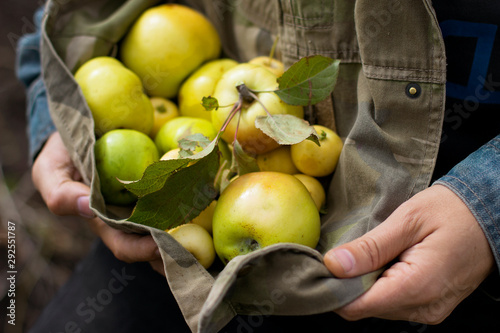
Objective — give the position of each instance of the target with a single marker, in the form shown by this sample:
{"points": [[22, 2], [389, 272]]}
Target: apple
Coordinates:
{"points": [[314, 187], [271, 64], [122, 154], [172, 154], [180, 127], [167, 43], [201, 84], [197, 241], [260, 209], [115, 96], [278, 159], [314, 160], [263, 82], [165, 110], [206, 216]]}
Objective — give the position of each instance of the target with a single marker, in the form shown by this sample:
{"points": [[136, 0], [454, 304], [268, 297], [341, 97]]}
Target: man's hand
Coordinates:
{"points": [[60, 186], [442, 256]]}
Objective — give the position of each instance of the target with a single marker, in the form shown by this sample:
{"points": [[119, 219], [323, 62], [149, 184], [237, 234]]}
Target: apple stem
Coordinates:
{"points": [[236, 108], [237, 126], [258, 100], [245, 93], [271, 54]]}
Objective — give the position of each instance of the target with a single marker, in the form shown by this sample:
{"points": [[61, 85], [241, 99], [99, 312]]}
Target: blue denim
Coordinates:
{"points": [[476, 180], [28, 71]]}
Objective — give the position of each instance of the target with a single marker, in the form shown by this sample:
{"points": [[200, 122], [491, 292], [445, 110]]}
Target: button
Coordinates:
{"points": [[413, 90]]}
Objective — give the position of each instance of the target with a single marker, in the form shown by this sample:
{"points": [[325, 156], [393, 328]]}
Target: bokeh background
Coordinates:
{"points": [[47, 246]]}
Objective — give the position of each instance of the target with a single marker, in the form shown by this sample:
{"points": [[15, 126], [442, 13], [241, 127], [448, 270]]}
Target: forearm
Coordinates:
{"points": [[476, 180]]}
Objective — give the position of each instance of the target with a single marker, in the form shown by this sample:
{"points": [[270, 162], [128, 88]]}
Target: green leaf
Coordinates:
{"points": [[225, 179], [286, 129], [308, 81], [210, 103], [154, 176], [191, 142], [184, 195], [242, 162]]}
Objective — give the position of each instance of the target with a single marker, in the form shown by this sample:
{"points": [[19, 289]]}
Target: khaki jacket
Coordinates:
{"points": [[387, 106]]}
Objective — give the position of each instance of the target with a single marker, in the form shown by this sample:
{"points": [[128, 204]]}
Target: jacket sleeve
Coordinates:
{"points": [[28, 71], [476, 180]]}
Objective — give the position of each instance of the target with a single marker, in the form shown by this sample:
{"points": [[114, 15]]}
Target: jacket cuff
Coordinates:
{"points": [[476, 180], [28, 71], [40, 125]]}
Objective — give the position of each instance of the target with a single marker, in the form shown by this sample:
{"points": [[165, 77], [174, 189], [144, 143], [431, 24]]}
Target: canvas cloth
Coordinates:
{"points": [[390, 137]]}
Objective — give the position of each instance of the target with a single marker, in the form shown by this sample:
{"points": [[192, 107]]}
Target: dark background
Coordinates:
{"points": [[47, 246]]}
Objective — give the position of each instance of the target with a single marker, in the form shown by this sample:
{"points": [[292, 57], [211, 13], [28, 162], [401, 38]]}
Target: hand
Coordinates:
{"points": [[60, 186], [443, 257]]}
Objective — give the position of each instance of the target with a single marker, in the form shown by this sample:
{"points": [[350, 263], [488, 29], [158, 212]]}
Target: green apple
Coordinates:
{"points": [[197, 241], [115, 96], [180, 127], [167, 43], [201, 84], [263, 208], [263, 82], [122, 154]]}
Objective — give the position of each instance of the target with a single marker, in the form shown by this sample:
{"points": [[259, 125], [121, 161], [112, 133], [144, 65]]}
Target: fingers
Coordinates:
{"points": [[59, 184], [443, 256], [157, 265], [377, 247], [57, 180], [126, 247]]}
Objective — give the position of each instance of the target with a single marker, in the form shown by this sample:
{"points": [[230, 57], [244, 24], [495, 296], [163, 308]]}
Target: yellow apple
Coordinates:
{"points": [[278, 159], [180, 127], [115, 96], [167, 43], [201, 84], [172, 154], [315, 188], [165, 110], [205, 218], [197, 241], [271, 64], [263, 208], [263, 82], [314, 160]]}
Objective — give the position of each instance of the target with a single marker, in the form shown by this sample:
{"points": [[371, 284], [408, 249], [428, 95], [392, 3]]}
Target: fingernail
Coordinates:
{"points": [[345, 259], [83, 204]]}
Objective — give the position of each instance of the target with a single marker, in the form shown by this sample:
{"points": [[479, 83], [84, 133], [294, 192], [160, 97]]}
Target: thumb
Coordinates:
{"points": [[374, 249]]}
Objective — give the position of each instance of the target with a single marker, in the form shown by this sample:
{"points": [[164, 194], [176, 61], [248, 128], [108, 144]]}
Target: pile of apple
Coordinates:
{"points": [[148, 98]]}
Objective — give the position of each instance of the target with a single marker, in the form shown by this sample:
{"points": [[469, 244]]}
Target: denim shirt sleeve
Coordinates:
{"points": [[28, 71], [476, 180]]}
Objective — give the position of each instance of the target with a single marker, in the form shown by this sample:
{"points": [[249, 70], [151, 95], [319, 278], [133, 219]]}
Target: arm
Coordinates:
{"points": [[442, 252], [476, 180], [28, 71], [53, 172]]}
